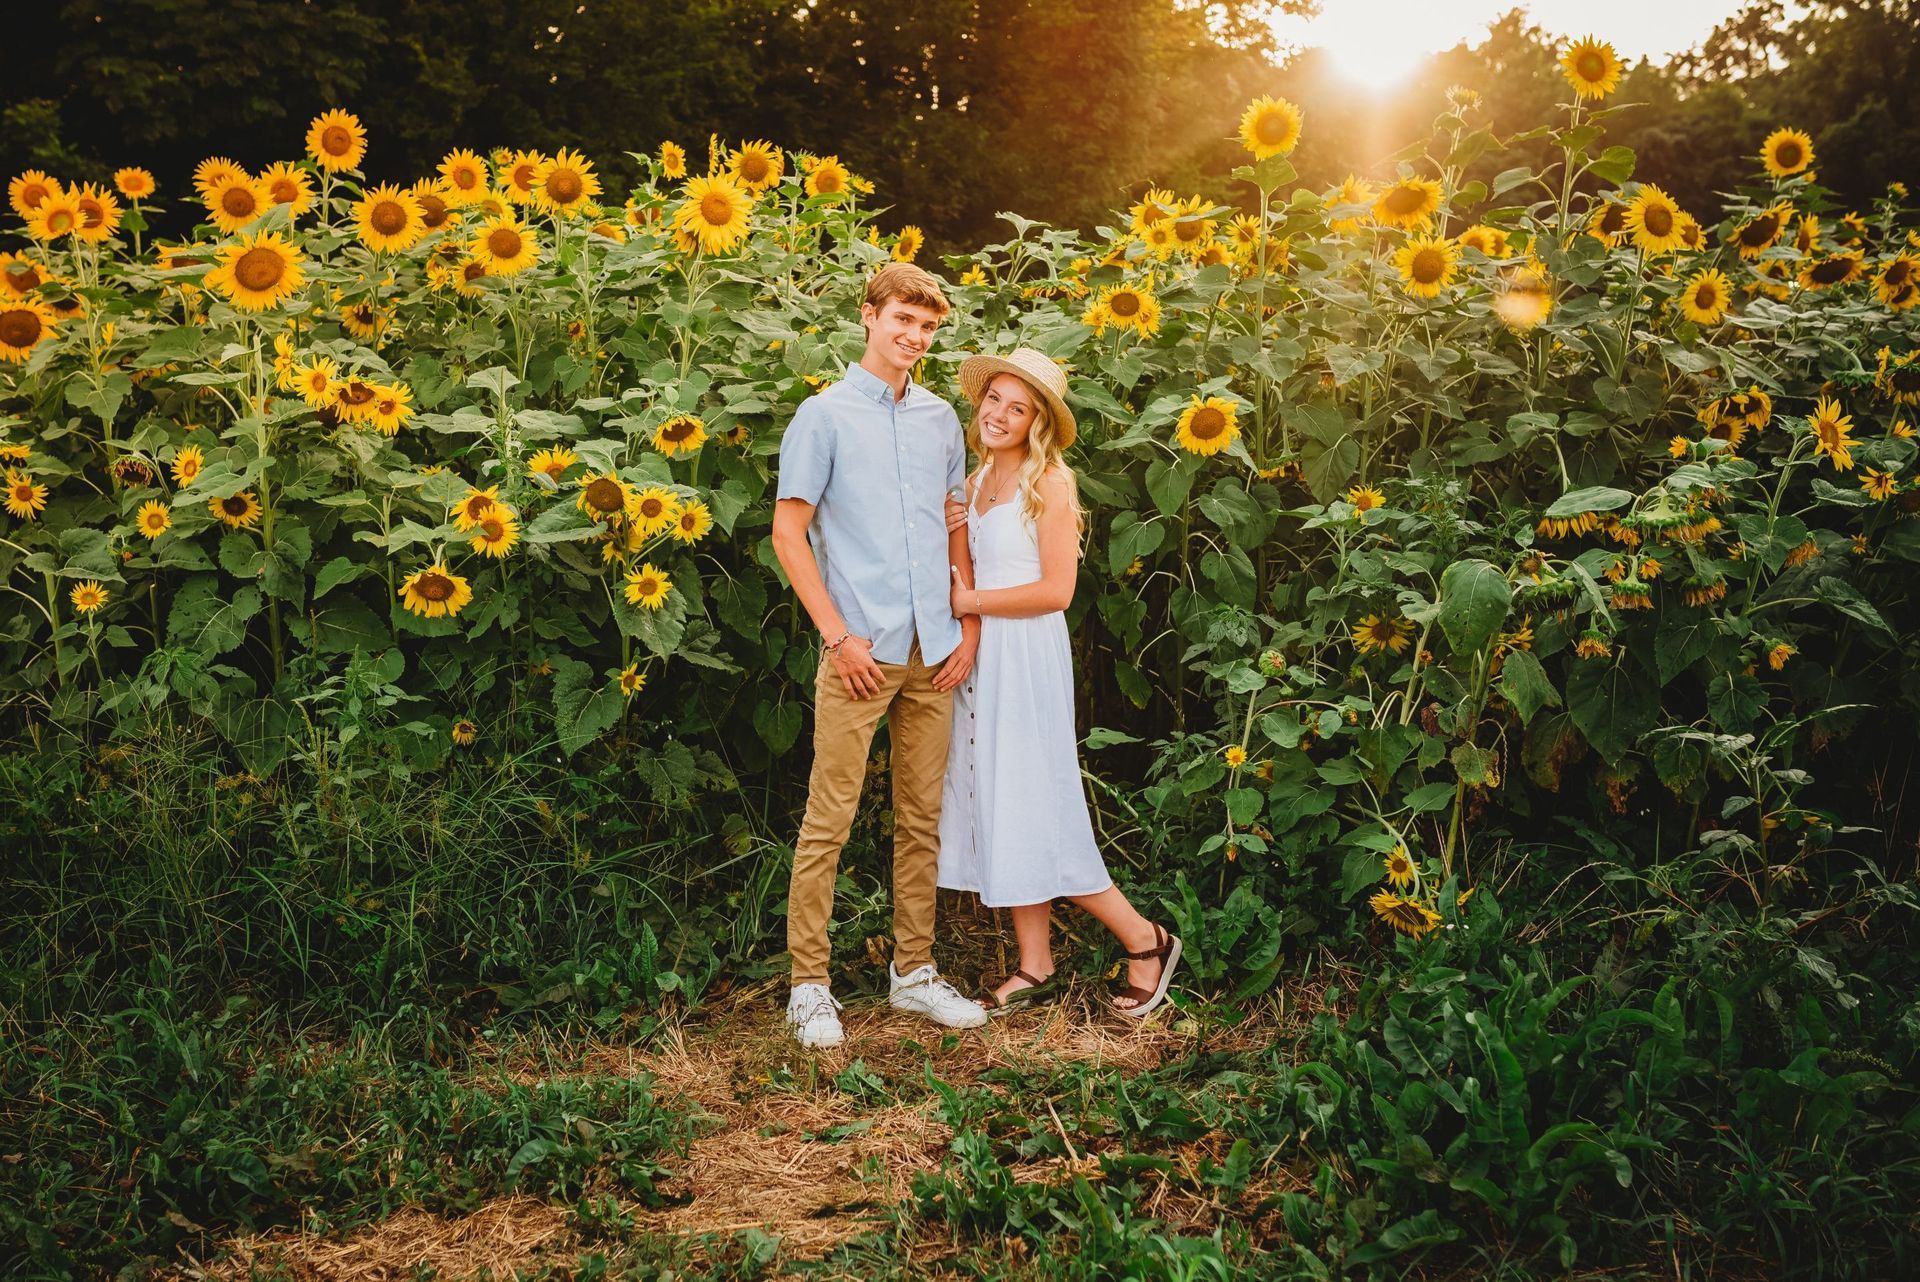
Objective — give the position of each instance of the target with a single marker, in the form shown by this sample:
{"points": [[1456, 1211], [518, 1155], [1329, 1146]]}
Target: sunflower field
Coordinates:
{"points": [[1493, 575]]}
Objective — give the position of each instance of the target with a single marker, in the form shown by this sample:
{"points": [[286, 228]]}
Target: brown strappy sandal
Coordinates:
{"points": [[1038, 992], [1147, 1001]]}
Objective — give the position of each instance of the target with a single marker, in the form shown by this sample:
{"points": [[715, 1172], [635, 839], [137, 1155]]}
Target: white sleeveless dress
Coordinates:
{"points": [[1014, 826]]}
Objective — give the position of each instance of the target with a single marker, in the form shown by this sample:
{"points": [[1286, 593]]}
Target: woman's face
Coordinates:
{"points": [[1007, 412]]}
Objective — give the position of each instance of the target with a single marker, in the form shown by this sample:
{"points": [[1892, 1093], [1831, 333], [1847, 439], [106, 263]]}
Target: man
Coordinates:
{"points": [[860, 530]]}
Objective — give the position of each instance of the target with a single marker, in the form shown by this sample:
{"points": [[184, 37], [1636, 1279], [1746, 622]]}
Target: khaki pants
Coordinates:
{"points": [[921, 719]]}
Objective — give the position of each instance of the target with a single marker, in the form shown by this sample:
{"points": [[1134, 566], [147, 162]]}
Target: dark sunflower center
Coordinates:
{"points": [[1272, 128], [238, 202], [259, 269], [647, 586], [604, 495], [1207, 423], [1903, 295], [1125, 304], [493, 529], [1906, 380], [1428, 266], [336, 140], [20, 328], [234, 505], [1613, 220], [754, 167], [1189, 231], [651, 508], [60, 222], [388, 218], [1787, 155], [503, 242], [472, 272], [22, 277], [433, 586], [478, 505], [356, 392], [1591, 65], [34, 194], [715, 209], [1706, 296], [1657, 219], [92, 213], [285, 191], [1760, 231], [678, 429], [523, 175], [465, 177], [433, 210], [826, 181], [23, 491], [1832, 271], [1898, 272], [1405, 200], [565, 186]]}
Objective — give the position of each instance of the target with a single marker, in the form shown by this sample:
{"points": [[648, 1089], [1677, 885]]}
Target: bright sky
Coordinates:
{"points": [[1378, 41]]}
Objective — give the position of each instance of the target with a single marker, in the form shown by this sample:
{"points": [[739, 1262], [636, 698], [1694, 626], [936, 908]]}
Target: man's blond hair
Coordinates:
{"points": [[907, 283]]}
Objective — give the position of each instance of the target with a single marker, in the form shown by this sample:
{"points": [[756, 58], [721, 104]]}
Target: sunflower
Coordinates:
{"points": [[1879, 485], [465, 176], [1898, 377], [314, 381], [551, 462], [1126, 307], [495, 533], [434, 592], [1490, 241], [1806, 234], [828, 178], [1161, 238], [715, 212], [1704, 301], [1832, 271], [363, 319], [473, 505], [29, 190], [1399, 868], [392, 407], [1408, 916], [648, 586], [463, 732], [1427, 265], [1832, 433], [26, 498], [652, 511], [336, 141], [88, 596], [435, 210], [286, 183], [1377, 635], [1786, 152], [240, 511], [20, 274], [133, 182], [1157, 206], [99, 214], [353, 400], [187, 462], [1365, 498], [1525, 297], [681, 434], [1758, 234], [603, 496], [632, 680], [1592, 645], [1592, 68], [756, 166], [154, 519], [259, 272], [1608, 222], [517, 175], [25, 323], [505, 247], [1407, 203], [562, 184], [1693, 236], [906, 246], [284, 363], [693, 523], [1208, 425], [467, 276], [1234, 755], [1898, 282], [1270, 127], [56, 216], [1192, 233], [673, 161], [1353, 191], [390, 219], [1653, 220]]}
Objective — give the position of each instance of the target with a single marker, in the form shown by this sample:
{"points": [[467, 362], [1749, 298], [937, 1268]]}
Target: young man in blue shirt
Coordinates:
{"points": [[859, 527]]}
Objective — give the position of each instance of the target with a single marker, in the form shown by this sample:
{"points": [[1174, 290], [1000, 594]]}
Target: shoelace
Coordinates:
{"points": [[942, 988], [814, 1004]]}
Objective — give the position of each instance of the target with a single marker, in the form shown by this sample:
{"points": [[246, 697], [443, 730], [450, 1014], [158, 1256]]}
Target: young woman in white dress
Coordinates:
{"points": [[1014, 826]]}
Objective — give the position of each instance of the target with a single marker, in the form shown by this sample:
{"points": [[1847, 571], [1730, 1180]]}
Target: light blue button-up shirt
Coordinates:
{"points": [[877, 470]]}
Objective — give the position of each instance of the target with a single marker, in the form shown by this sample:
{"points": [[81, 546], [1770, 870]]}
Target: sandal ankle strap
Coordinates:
{"points": [[1164, 946]]}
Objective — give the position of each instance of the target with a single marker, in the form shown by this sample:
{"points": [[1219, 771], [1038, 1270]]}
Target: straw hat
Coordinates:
{"points": [[1036, 370]]}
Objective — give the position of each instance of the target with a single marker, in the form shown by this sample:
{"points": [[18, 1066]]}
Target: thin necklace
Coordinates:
{"points": [[996, 489]]}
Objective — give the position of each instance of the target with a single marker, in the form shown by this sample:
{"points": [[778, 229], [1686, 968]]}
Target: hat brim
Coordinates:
{"points": [[978, 371]]}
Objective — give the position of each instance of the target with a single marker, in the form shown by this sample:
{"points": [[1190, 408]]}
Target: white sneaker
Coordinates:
{"points": [[923, 992], [814, 1016]]}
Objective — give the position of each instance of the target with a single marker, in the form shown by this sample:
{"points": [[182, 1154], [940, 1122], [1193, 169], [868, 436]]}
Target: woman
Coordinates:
{"points": [[1014, 827]]}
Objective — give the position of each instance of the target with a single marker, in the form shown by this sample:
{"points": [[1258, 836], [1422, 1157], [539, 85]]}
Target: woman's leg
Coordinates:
{"points": [[1033, 930], [1135, 933]]}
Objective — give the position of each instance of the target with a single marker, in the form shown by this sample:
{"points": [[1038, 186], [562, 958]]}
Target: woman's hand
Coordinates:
{"points": [[966, 600], [956, 516]]}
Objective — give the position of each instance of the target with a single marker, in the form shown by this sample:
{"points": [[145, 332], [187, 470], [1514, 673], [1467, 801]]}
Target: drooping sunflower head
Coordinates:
{"points": [[1270, 127], [1832, 271], [464, 174], [714, 212], [565, 183], [258, 272], [25, 323], [756, 166], [1407, 203], [239, 511], [1591, 67], [1409, 917], [681, 434], [1427, 265], [1208, 425], [1786, 152], [336, 140]]}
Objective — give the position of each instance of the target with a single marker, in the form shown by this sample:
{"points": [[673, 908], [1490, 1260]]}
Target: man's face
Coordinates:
{"points": [[899, 333]]}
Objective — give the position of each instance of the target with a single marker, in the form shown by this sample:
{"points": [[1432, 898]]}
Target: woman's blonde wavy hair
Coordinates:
{"points": [[1043, 452]]}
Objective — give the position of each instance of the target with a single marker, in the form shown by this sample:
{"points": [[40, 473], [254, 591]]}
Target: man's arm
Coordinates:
{"points": [[853, 658]]}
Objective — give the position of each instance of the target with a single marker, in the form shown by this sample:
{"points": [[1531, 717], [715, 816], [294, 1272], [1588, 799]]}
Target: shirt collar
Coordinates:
{"points": [[875, 388]]}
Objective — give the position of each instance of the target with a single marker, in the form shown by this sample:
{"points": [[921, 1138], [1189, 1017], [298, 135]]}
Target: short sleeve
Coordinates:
{"points": [[957, 458], [806, 454]]}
